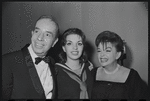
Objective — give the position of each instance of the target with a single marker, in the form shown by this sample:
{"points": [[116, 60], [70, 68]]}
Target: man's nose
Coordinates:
{"points": [[41, 37]]}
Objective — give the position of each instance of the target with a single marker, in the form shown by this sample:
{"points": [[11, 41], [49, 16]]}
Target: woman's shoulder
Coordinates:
{"points": [[133, 75], [130, 70], [59, 66], [124, 70], [94, 70], [60, 69]]}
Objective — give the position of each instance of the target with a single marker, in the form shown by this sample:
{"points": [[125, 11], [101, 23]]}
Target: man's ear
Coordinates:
{"points": [[32, 33], [118, 55], [55, 42]]}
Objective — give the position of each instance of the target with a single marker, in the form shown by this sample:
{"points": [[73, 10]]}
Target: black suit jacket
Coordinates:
{"points": [[20, 79]]}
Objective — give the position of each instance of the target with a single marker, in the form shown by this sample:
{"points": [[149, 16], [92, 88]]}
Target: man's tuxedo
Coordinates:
{"points": [[20, 79]]}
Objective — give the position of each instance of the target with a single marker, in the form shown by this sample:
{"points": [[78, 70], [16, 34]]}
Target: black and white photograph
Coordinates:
{"points": [[75, 50]]}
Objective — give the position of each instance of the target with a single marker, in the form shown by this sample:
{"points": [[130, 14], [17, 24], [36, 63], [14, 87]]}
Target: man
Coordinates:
{"points": [[25, 78]]}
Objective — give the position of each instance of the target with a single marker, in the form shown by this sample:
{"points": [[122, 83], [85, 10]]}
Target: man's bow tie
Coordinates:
{"points": [[39, 59]]}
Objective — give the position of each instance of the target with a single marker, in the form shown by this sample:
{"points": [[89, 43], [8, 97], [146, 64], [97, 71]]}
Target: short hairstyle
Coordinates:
{"points": [[108, 36], [51, 19], [76, 31]]}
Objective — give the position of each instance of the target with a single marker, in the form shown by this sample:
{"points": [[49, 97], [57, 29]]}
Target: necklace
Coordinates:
{"points": [[117, 68]]}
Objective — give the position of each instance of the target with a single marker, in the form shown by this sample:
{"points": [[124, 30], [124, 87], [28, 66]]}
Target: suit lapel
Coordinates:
{"points": [[32, 71], [53, 72]]}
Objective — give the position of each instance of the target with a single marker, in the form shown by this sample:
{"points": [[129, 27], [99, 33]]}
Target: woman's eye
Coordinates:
{"points": [[68, 43], [108, 50], [98, 51], [80, 44]]}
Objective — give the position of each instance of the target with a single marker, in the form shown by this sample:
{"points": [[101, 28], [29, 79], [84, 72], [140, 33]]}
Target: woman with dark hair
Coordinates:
{"points": [[113, 81], [74, 70]]}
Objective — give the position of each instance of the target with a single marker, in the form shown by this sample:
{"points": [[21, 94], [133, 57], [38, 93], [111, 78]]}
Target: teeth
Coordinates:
{"points": [[39, 45], [104, 60], [75, 53]]}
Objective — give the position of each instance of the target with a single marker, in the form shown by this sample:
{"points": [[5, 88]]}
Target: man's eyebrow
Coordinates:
{"points": [[46, 31], [50, 32], [37, 28]]}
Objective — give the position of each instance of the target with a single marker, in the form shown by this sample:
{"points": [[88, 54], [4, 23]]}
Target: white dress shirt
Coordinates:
{"points": [[44, 74]]}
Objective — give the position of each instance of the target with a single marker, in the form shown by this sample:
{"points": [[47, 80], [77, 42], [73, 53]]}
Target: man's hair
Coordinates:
{"points": [[52, 19]]}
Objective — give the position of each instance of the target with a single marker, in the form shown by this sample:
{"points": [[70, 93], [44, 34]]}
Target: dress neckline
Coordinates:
{"points": [[64, 66], [113, 82]]}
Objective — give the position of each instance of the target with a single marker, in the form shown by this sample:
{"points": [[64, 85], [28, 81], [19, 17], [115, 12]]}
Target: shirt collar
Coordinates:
{"points": [[33, 55]]}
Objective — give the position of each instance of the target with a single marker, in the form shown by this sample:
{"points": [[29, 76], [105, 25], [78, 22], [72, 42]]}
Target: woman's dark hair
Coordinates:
{"points": [[76, 31], [108, 36]]}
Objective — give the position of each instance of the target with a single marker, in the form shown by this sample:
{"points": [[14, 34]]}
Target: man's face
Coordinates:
{"points": [[43, 37]]}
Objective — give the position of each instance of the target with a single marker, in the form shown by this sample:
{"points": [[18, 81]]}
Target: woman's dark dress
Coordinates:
{"points": [[69, 88], [132, 88]]}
